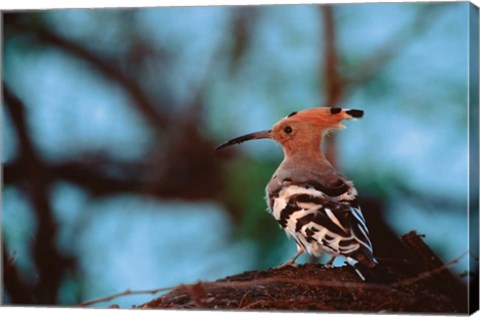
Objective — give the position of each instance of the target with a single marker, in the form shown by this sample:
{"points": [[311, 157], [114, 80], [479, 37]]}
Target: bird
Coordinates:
{"points": [[310, 199]]}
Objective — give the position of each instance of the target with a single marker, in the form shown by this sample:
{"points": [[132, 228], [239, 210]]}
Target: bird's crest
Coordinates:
{"points": [[325, 117]]}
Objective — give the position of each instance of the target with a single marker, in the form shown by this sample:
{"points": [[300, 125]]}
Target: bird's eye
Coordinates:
{"points": [[287, 129]]}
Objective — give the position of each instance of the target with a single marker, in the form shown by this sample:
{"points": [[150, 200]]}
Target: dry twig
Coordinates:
{"points": [[126, 293]]}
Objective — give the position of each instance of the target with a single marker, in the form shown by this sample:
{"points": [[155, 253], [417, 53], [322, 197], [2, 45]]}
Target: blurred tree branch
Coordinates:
{"points": [[51, 264], [105, 176], [338, 84], [44, 35], [173, 174], [18, 291], [379, 59], [243, 25], [333, 81], [164, 172]]}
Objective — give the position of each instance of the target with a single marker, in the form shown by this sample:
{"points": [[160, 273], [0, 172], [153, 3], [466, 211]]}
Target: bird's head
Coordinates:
{"points": [[303, 129]]}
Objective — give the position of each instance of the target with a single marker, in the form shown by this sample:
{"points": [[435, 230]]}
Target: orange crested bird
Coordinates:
{"points": [[313, 202]]}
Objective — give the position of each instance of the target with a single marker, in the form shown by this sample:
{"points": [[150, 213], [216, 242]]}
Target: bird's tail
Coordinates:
{"points": [[375, 274]]}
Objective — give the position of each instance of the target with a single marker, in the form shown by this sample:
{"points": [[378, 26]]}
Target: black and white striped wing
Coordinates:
{"points": [[320, 222]]}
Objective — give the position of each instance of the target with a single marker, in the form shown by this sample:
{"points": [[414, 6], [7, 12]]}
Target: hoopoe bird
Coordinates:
{"points": [[314, 203]]}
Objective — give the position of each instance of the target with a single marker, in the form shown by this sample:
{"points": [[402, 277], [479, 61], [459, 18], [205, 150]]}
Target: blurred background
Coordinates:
{"points": [[111, 117]]}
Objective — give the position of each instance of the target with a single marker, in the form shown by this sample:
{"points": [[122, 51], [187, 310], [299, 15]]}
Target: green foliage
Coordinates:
{"points": [[246, 181], [380, 183]]}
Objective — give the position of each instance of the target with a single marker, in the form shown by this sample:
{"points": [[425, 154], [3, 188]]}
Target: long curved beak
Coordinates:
{"points": [[266, 134]]}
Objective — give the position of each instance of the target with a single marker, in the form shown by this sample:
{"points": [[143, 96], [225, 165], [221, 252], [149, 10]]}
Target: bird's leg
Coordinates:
{"points": [[291, 262], [329, 264]]}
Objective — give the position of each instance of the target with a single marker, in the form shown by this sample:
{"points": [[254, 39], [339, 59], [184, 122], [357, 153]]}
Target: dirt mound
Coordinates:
{"points": [[315, 287]]}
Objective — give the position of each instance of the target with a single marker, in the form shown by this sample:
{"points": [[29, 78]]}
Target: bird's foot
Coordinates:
{"points": [[286, 264], [291, 262], [329, 264]]}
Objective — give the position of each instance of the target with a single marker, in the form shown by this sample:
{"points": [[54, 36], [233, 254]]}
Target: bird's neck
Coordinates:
{"points": [[305, 158]]}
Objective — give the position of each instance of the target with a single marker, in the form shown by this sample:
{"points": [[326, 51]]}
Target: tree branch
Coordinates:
{"points": [[373, 64], [46, 36], [333, 81], [50, 263], [17, 112], [18, 291]]}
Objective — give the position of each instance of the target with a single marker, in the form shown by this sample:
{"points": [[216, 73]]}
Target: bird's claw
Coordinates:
{"points": [[287, 264]]}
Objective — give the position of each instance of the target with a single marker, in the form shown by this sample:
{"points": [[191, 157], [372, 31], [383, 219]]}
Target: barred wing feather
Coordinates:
{"points": [[319, 222]]}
